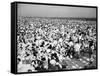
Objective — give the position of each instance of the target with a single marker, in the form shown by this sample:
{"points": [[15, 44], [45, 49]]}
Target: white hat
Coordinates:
{"points": [[53, 61]]}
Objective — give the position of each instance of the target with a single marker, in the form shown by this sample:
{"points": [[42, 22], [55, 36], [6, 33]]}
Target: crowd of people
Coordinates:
{"points": [[45, 44]]}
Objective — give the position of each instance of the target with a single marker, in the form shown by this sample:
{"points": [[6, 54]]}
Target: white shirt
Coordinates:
{"points": [[77, 47]]}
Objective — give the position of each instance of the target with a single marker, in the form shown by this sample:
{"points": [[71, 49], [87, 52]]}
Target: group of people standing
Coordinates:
{"points": [[45, 44]]}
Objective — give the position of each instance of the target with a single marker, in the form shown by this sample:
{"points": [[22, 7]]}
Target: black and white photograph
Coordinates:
{"points": [[55, 38]]}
